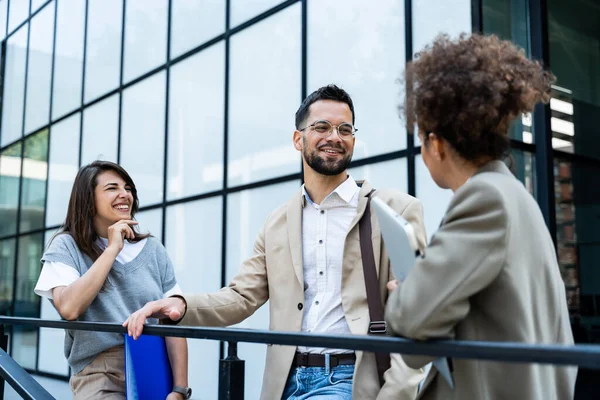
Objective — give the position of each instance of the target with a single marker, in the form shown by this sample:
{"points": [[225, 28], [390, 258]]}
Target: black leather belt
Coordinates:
{"points": [[318, 360]]}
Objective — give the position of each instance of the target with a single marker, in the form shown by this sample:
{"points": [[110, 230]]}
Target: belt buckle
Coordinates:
{"points": [[378, 327]]}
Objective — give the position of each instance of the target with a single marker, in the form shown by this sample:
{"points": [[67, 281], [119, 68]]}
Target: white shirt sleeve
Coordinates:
{"points": [[54, 274], [175, 290]]}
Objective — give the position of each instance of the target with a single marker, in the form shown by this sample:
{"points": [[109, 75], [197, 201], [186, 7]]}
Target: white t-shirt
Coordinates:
{"points": [[55, 274]]}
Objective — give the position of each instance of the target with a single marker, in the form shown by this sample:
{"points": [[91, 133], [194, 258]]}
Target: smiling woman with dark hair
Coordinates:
{"points": [[99, 268], [490, 272]]}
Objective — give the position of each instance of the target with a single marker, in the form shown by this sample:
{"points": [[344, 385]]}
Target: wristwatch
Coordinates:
{"points": [[186, 391]]}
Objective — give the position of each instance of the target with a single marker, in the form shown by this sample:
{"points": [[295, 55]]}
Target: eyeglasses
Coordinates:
{"points": [[323, 129]]}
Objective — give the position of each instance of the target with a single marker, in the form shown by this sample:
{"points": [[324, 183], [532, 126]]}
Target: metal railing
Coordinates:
{"points": [[231, 370], [17, 377]]}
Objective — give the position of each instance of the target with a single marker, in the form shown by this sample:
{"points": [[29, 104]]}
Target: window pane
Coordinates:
{"points": [[68, 62], [195, 161], [246, 214], [150, 222], [27, 303], [193, 224], [3, 17], [24, 338], [35, 172], [368, 72], [522, 165], [50, 351], [103, 52], [562, 122], [35, 4], [432, 17], [578, 239], [194, 23], [574, 47], [100, 129], [577, 208], [510, 20], [10, 172], [264, 97], [142, 137], [566, 232], [435, 200], [14, 87], [578, 244], [51, 354], [145, 37], [384, 175], [18, 12], [37, 112], [243, 10], [192, 229], [64, 163], [7, 268]]}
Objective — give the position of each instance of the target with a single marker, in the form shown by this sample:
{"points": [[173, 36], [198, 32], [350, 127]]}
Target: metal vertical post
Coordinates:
{"points": [[541, 119], [3, 346], [410, 130], [231, 375]]}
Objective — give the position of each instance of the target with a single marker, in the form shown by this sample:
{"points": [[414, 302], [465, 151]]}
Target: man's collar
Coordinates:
{"points": [[345, 191]]}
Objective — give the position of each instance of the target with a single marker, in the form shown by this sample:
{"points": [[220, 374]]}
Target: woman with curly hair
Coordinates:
{"points": [[490, 272]]}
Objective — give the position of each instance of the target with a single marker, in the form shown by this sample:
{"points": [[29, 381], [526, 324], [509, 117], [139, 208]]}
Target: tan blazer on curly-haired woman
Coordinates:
{"points": [[490, 273]]}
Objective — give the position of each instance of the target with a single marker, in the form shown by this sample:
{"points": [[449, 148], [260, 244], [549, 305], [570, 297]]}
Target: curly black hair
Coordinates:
{"points": [[468, 91]]}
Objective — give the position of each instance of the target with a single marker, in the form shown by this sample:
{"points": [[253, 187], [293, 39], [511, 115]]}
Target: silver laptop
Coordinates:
{"points": [[402, 246]]}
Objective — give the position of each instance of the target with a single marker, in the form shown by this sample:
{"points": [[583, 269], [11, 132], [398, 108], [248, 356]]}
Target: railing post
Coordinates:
{"points": [[231, 375], [3, 346]]}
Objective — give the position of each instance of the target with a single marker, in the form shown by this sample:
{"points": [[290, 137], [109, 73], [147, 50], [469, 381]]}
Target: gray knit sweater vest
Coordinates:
{"points": [[128, 288]]}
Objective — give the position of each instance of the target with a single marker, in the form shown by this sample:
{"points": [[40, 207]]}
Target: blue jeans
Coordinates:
{"points": [[316, 383]]}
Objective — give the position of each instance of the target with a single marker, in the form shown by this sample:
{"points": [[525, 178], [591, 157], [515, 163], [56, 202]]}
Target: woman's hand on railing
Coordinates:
{"points": [[175, 396], [171, 307]]}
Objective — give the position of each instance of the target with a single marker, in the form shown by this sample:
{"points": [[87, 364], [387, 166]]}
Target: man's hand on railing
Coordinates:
{"points": [[171, 307]]}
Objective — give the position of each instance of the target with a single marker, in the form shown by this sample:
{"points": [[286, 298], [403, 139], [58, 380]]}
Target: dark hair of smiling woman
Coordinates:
{"points": [[468, 91], [82, 207]]}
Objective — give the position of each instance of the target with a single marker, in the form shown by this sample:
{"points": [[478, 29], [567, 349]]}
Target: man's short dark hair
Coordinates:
{"points": [[329, 92]]}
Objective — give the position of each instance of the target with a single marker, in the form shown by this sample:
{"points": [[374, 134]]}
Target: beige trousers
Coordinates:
{"points": [[103, 378]]}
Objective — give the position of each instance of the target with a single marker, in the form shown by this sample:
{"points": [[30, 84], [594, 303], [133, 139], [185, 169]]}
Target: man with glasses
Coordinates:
{"points": [[307, 262]]}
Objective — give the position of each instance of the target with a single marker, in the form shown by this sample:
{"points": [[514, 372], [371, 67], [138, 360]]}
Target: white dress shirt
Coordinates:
{"points": [[324, 230], [55, 274]]}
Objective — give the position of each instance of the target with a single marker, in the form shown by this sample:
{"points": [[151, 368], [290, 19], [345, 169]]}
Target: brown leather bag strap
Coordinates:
{"points": [[377, 325]]}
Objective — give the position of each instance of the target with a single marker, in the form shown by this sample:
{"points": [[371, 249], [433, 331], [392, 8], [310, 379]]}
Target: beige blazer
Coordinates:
{"points": [[490, 273], [275, 273]]}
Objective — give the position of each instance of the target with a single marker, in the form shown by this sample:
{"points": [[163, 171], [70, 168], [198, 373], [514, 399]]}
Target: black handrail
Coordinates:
{"points": [[587, 356], [18, 378]]}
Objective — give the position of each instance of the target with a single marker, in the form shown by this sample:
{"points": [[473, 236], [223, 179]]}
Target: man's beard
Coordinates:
{"points": [[325, 167]]}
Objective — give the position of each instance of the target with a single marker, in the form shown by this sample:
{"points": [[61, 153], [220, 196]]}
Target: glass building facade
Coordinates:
{"points": [[197, 100]]}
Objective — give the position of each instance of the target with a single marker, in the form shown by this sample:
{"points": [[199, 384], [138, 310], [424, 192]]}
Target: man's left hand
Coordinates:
{"points": [[392, 285]]}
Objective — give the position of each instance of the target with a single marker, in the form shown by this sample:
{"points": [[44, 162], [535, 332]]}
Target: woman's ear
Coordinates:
{"points": [[437, 144]]}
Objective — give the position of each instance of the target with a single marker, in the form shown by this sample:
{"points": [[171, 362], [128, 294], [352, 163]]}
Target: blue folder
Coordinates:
{"points": [[147, 369]]}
